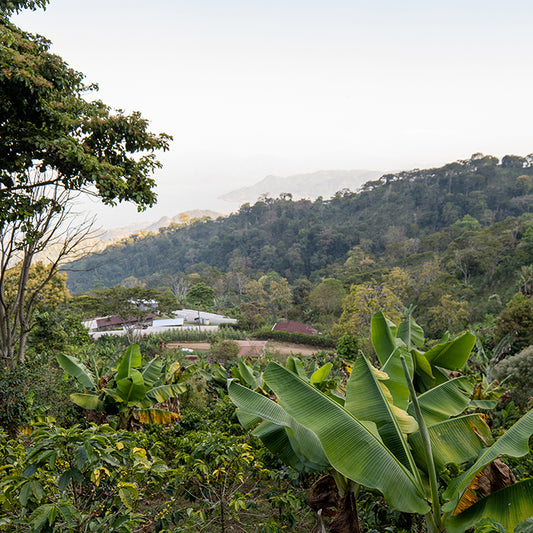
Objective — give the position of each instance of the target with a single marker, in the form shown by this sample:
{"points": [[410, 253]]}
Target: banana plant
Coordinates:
{"points": [[373, 440], [286, 438], [281, 434], [129, 392], [431, 367]]}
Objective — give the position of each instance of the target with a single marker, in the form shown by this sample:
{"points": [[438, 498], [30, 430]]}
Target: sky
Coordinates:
{"points": [[250, 88]]}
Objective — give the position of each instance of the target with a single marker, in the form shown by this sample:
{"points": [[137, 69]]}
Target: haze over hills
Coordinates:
{"points": [[323, 183], [399, 215]]}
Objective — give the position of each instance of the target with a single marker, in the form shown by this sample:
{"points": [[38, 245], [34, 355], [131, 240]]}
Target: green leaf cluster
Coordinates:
{"points": [[131, 391], [371, 437]]}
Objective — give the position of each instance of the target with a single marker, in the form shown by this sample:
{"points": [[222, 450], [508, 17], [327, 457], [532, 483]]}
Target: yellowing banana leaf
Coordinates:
{"points": [[156, 416], [306, 444], [367, 398], [444, 401], [350, 447], [164, 392], [508, 506], [453, 441], [87, 400], [131, 389], [152, 371], [75, 368], [514, 443], [396, 382], [452, 354], [129, 360]]}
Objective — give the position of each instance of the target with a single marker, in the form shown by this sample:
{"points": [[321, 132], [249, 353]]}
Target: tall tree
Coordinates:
{"points": [[55, 144], [327, 297], [45, 231], [45, 121], [201, 295]]}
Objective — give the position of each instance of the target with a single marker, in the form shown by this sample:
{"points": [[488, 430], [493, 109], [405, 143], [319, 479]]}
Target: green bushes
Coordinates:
{"points": [[14, 399], [220, 482], [518, 372], [35, 389], [348, 346], [76, 479], [224, 350]]}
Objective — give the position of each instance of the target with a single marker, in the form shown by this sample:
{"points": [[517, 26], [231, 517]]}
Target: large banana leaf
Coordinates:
{"points": [[351, 447], [444, 401], [383, 335], [246, 419], [247, 376], [452, 355], [514, 442], [131, 389], [508, 506], [75, 368], [295, 365], [282, 442], [396, 382], [87, 400], [275, 438], [152, 371], [368, 399], [306, 444], [131, 359], [453, 441], [163, 393], [411, 333]]}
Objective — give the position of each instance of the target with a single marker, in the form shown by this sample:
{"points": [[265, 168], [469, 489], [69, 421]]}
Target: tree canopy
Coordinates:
{"points": [[7, 7], [46, 122], [56, 143]]}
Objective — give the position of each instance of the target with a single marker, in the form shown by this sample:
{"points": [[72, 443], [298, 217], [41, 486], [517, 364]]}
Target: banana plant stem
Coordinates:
{"points": [[432, 473]]}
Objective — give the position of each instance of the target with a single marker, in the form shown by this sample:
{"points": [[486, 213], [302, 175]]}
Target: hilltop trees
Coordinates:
{"points": [[55, 145]]}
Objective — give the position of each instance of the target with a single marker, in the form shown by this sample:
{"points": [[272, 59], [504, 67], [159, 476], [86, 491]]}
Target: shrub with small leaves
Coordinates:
{"points": [[517, 371], [77, 480], [224, 350]]}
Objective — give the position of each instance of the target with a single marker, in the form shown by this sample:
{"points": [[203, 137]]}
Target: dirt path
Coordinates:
{"points": [[283, 348]]}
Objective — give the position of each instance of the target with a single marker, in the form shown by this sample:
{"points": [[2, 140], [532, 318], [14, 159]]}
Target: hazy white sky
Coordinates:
{"points": [[255, 87]]}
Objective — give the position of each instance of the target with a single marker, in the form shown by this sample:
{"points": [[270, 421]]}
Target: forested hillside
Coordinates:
{"points": [[396, 216]]}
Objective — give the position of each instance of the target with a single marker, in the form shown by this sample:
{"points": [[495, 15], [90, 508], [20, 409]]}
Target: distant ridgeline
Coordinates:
{"points": [[301, 238]]}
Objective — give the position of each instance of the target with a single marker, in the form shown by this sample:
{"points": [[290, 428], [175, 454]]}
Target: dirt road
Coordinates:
{"points": [[282, 348]]}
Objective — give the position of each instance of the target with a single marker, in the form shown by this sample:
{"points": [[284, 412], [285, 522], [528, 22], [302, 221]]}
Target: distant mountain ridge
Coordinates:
{"points": [[110, 236], [323, 183], [399, 213]]}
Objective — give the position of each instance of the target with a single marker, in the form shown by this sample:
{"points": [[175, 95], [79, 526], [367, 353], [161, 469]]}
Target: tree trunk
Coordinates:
{"points": [[22, 348], [324, 496], [346, 520]]}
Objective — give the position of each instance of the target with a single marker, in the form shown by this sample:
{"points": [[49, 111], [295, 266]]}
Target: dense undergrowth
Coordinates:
{"points": [[65, 469]]}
